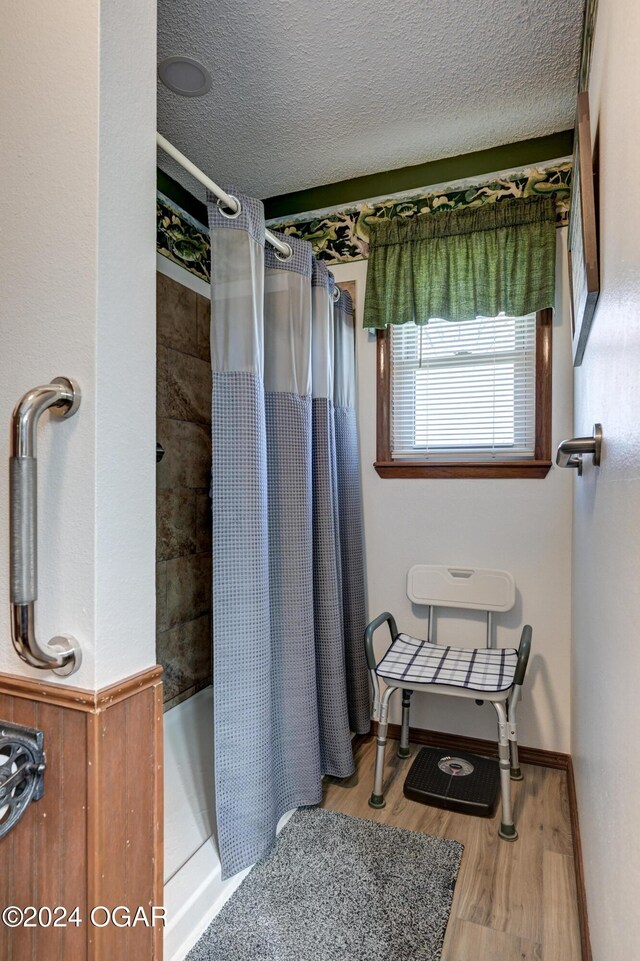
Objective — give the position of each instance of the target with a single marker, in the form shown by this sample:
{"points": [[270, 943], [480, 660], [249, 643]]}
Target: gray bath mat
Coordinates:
{"points": [[339, 888]]}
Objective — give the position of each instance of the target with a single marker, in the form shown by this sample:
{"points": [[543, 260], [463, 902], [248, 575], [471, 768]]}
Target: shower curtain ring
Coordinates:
{"points": [[282, 256], [229, 214]]}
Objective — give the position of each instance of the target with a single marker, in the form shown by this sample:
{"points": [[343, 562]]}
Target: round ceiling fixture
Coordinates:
{"points": [[184, 76]]}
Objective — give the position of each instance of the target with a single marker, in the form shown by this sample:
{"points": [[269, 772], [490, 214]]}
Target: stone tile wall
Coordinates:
{"points": [[183, 546]]}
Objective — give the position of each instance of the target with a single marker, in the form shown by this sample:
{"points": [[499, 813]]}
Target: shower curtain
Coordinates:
{"points": [[289, 673]]}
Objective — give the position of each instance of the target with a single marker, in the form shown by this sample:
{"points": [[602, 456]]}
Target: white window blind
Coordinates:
{"points": [[464, 391]]}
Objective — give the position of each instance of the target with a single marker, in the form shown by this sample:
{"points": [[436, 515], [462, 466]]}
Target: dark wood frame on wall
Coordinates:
{"points": [[584, 275], [538, 467]]}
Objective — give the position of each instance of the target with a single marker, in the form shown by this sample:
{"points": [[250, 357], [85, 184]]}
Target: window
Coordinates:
{"points": [[467, 399]]}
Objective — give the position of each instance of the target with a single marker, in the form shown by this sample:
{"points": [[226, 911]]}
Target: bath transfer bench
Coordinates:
{"points": [[486, 673]]}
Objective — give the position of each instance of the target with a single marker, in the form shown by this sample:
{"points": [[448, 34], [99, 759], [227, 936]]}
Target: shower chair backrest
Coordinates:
{"points": [[476, 589], [468, 588]]}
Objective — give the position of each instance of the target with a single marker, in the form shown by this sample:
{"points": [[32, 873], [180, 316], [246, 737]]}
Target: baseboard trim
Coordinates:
{"points": [[527, 755], [477, 745], [581, 891]]}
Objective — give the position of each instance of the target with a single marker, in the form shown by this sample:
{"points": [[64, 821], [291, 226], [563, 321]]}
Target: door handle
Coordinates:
{"points": [[570, 452], [62, 654]]}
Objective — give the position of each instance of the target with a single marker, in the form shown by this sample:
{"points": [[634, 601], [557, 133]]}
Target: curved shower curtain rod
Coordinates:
{"points": [[227, 200]]}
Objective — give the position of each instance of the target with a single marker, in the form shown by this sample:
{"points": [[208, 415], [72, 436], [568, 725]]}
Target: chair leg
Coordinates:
{"points": [[507, 828], [377, 798], [403, 747], [516, 773]]}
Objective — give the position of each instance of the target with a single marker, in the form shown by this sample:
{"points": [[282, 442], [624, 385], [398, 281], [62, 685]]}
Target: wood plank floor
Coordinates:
{"points": [[513, 901]]}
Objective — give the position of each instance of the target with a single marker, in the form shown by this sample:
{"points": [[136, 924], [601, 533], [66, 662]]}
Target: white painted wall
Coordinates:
{"points": [[77, 265], [523, 526], [126, 345], [606, 613]]}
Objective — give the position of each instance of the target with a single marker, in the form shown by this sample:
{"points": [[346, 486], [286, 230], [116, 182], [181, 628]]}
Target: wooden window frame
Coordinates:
{"points": [[538, 467]]}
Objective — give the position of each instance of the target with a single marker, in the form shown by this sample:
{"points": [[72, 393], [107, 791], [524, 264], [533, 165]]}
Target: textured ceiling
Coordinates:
{"points": [[306, 93]]}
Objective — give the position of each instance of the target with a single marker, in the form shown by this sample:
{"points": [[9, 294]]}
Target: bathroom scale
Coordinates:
{"points": [[455, 781]]}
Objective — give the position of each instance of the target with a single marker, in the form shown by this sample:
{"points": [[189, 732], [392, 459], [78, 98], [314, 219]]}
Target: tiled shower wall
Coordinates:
{"points": [[183, 547]]}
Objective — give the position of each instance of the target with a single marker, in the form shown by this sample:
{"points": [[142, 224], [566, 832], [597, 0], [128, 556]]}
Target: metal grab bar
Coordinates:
{"points": [[62, 654], [570, 452]]}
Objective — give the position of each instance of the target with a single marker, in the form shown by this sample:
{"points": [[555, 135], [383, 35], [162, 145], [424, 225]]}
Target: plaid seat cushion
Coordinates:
{"points": [[478, 669]]}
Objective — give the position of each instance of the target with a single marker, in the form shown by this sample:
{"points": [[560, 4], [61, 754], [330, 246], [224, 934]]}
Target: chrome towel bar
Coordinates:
{"points": [[62, 654], [571, 452]]}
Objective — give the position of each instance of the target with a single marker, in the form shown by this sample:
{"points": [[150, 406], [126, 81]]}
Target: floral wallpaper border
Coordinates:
{"points": [[182, 239], [341, 235]]}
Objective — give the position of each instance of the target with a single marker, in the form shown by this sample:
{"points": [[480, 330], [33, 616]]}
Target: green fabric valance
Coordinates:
{"points": [[462, 264]]}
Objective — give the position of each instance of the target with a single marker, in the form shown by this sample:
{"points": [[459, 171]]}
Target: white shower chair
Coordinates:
{"points": [[487, 673]]}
